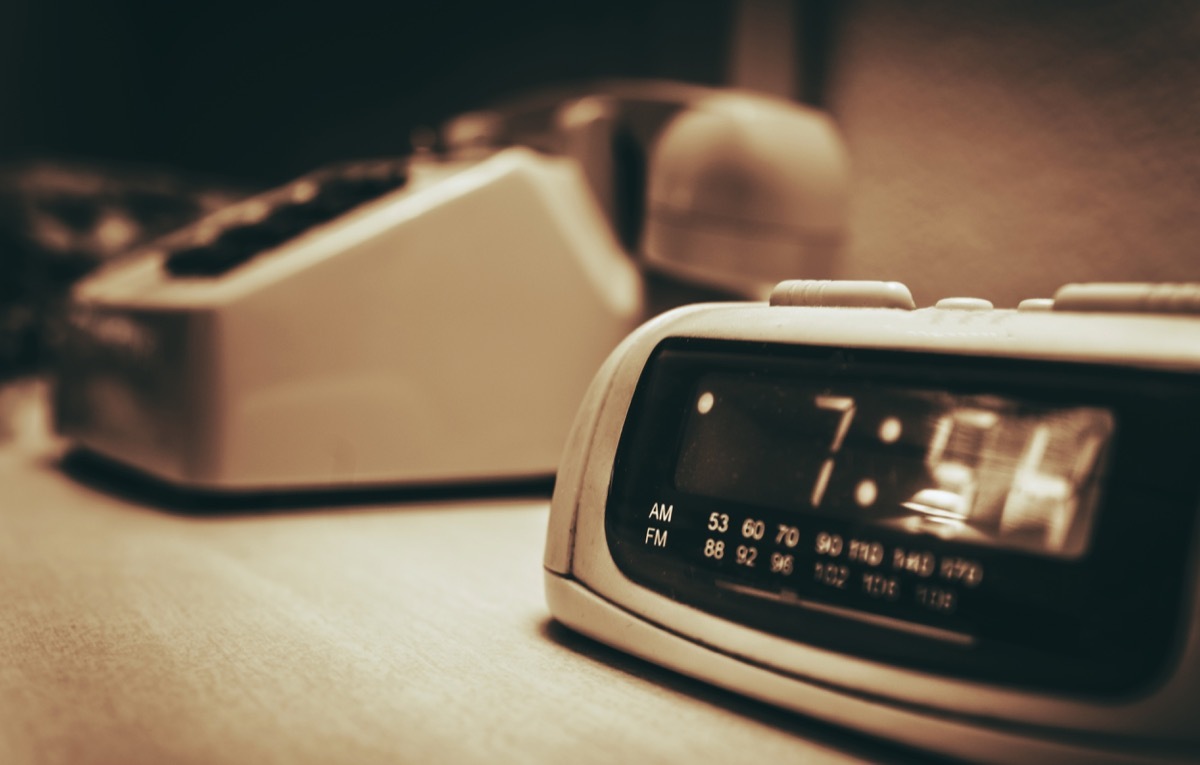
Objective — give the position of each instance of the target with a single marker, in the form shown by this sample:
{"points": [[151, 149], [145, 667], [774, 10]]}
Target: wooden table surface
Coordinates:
{"points": [[411, 630]]}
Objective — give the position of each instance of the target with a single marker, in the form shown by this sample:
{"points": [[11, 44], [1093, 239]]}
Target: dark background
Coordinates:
{"points": [[265, 90], [1000, 149]]}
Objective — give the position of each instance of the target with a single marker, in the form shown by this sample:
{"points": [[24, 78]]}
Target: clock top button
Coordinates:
{"points": [[963, 304], [1036, 304], [1130, 297], [842, 294]]}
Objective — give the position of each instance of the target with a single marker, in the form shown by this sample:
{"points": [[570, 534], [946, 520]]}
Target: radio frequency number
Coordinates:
{"points": [[831, 574], [788, 536], [828, 544], [937, 598], [782, 564], [881, 586], [870, 553], [752, 529], [964, 570], [714, 548], [718, 522], [916, 562]]}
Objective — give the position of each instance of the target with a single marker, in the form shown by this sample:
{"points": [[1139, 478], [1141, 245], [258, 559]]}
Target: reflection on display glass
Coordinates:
{"points": [[984, 469]]}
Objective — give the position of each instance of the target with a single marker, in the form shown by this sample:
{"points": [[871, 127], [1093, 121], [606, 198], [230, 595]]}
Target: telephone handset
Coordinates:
{"points": [[721, 188]]}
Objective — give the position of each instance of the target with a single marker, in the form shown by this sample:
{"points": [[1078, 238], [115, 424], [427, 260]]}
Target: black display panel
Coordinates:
{"points": [[990, 470], [1015, 521]]}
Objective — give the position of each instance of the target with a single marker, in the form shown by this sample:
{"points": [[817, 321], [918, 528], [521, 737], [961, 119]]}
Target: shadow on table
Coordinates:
{"points": [[111, 478], [842, 740]]}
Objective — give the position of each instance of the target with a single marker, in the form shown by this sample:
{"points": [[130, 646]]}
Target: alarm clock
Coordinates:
{"points": [[962, 529], [394, 322]]}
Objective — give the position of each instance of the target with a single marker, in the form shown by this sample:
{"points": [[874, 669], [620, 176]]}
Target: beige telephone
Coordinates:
{"points": [[436, 319]]}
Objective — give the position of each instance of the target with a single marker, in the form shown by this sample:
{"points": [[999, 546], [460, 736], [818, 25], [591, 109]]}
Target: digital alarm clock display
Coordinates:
{"points": [[982, 469], [1018, 521]]}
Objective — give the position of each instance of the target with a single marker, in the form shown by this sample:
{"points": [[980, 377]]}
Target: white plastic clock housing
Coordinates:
{"points": [[444, 331], [1138, 326]]}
